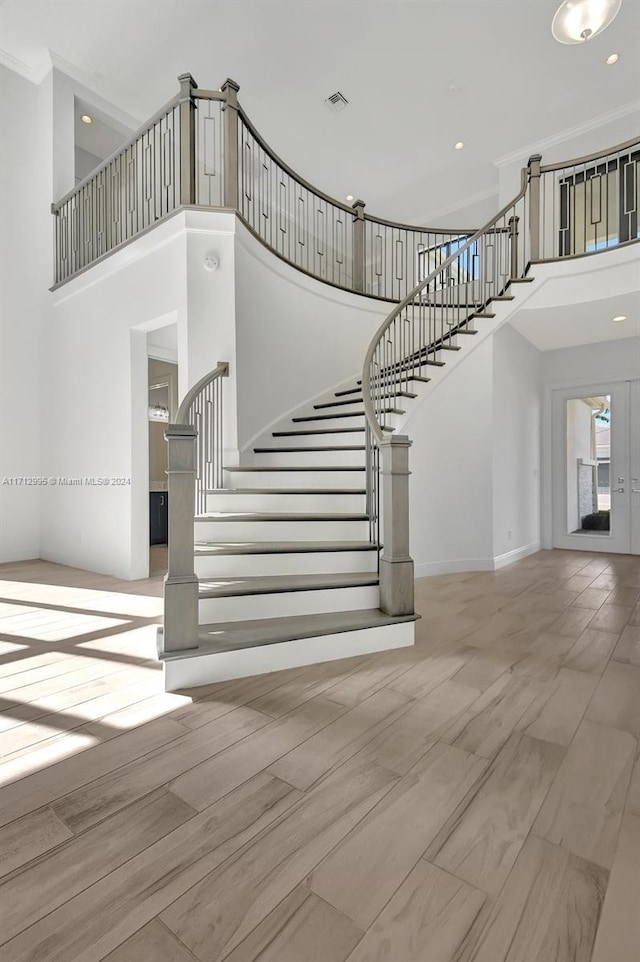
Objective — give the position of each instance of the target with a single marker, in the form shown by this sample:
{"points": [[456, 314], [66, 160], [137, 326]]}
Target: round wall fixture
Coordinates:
{"points": [[576, 21], [211, 262]]}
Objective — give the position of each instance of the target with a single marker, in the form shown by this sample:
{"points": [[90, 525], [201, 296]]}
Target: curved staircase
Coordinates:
{"points": [[286, 554]]}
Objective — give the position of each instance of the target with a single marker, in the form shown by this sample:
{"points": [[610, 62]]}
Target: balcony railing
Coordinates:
{"points": [[202, 150]]}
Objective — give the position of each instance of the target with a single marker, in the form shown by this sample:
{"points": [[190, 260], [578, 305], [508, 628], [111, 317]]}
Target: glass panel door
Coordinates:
{"points": [[595, 454]]}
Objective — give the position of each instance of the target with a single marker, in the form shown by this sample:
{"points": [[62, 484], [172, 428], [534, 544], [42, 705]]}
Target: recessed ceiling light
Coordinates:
{"points": [[349, 197], [613, 58], [458, 146], [86, 119], [620, 317]]}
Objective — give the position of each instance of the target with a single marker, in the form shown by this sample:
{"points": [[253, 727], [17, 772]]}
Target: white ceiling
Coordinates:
{"points": [[419, 77], [549, 329]]}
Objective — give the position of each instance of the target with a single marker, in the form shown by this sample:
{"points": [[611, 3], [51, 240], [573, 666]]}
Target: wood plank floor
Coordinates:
{"points": [[475, 799]]}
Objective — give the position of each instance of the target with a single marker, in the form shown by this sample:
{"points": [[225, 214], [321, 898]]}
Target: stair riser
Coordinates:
{"points": [[286, 502], [314, 440], [185, 672], [238, 531], [298, 563], [295, 479], [311, 458], [282, 604], [355, 421]]}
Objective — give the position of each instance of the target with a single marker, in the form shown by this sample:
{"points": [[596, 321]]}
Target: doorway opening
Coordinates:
{"points": [[162, 406]]}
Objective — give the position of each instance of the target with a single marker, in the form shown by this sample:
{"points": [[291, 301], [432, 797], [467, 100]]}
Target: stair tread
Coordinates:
{"points": [[295, 434], [332, 404], [315, 491], [299, 467], [228, 636], [342, 414], [328, 447], [215, 516], [203, 548], [358, 390], [483, 314], [279, 584]]}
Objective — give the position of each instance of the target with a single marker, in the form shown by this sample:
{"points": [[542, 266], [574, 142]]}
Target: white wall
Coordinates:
{"points": [[95, 345], [451, 470], [296, 337], [25, 273], [591, 362], [516, 444], [475, 460]]}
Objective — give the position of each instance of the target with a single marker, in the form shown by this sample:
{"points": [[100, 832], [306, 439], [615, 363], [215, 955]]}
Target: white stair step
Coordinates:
{"points": [[247, 526], [232, 599], [313, 439], [296, 476], [284, 558], [345, 404], [353, 455], [351, 419], [355, 419], [274, 499], [252, 647]]}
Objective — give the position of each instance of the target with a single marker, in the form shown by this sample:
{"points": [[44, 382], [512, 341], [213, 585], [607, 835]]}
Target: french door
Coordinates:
{"points": [[596, 467]]}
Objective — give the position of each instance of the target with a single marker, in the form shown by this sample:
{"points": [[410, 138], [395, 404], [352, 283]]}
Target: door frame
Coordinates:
{"points": [[546, 454]]}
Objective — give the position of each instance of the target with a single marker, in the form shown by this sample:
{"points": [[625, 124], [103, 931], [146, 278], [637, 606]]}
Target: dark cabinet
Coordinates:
{"points": [[158, 517]]}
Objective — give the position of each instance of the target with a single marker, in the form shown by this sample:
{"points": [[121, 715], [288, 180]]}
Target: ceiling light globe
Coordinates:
{"points": [[612, 58], [620, 317], [458, 146], [86, 119], [576, 21]]}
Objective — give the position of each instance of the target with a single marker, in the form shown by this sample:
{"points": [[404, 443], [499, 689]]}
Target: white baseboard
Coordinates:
{"points": [[458, 565], [429, 568], [502, 560]]}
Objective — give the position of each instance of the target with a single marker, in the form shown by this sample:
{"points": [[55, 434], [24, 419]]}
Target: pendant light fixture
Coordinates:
{"points": [[577, 21]]}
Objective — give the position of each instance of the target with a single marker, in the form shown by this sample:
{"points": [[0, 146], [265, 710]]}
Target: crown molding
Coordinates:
{"points": [[569, 133], [35, 73]]}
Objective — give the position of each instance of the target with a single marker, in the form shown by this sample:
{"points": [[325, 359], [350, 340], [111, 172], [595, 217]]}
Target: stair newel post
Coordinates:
{"points": [[513, 240], [396, 564], [358, 246], [534, 206], [230, 149], [181, 583], [187, 139]]}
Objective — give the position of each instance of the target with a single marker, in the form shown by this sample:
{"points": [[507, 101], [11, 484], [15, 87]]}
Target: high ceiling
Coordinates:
{"points": [[419, 76]]}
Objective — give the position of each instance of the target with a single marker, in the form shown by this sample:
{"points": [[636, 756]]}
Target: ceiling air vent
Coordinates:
{"points": [[336, 102]]}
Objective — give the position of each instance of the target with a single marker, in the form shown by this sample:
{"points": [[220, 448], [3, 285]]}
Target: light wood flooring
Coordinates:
{"points": [[474, 799]]}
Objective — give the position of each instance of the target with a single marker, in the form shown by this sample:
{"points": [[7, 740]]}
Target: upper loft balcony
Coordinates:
{"points": [[201, 150]]}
